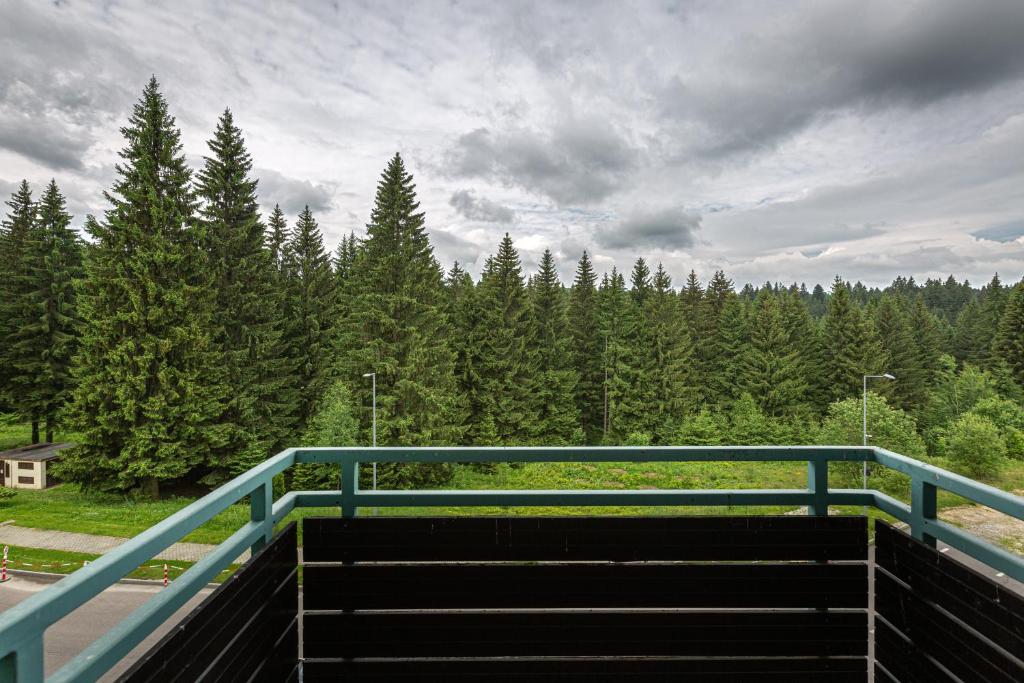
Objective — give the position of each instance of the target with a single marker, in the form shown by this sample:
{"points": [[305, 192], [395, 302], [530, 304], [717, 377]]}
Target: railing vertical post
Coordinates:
{"points": [[817, 484], [261, 503], [349, 487], [923, 507], [24, 665]]}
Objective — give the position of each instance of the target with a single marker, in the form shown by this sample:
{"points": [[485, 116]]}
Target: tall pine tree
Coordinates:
{"points": [[247, 306], [46, 340], [17, 251], [554, 382], [849, 348], [309, 312], [399, 329], [149, 392], [587, 349], [506, 363]]}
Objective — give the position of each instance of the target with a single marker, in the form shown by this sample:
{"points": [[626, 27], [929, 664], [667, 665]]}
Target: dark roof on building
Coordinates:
{"points": [[35, 453]]}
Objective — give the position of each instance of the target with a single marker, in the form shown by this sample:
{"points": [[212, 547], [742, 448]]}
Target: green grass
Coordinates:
{"points": [[60, 562], [15, 434]]}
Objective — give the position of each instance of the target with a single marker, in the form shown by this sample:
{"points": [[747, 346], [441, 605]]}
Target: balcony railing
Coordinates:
{"points": [[22, 627]]}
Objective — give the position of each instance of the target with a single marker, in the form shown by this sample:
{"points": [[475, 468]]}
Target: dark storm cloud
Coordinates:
{"points": [[831, 58], [292, 194], [469, 206], [577, 162], [668, 230]]}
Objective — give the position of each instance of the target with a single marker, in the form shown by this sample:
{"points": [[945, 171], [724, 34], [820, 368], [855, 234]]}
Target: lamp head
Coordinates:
{"points": [[370, 374], [888, 376]]}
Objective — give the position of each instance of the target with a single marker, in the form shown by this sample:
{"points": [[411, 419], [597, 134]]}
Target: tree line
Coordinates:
{"points": [[187, 339]]}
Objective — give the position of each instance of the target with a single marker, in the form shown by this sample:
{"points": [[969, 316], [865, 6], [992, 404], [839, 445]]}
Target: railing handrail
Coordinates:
{"points": [[22, 626]]}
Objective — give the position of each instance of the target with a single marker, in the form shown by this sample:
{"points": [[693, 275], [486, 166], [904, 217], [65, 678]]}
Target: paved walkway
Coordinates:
{"points": [[96, 545]]}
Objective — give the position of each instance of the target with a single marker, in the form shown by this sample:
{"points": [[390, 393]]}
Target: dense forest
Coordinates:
{"points": [[188, 337]]}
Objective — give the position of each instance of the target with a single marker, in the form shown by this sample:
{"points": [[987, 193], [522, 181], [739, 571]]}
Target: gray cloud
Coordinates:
{"points": [[44, 142], [469, 206], [812, 137], [823, 59], [452, 247], [577, 162], [291, 193], [667, 230], [1004, 232]]}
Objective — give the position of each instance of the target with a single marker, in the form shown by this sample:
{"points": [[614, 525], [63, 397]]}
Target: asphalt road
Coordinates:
{"points": [[75, 632]]}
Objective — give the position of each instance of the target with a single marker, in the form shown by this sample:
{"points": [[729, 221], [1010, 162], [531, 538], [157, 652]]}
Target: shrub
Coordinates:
{"points": [[974, 446]]}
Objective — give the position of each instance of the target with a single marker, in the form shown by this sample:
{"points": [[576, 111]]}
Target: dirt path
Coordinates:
{"points": [[993, 526]]}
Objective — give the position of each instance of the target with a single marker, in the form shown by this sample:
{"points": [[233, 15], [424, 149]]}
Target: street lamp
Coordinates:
{"points": [[373, 377], [864, 474]]}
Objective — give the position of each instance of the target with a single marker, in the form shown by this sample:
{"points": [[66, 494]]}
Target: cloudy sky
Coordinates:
{"points": [[778, 140]]}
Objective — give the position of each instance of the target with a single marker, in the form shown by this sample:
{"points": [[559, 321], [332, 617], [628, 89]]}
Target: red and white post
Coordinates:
{"points": [[165, 576], [3, 571]]}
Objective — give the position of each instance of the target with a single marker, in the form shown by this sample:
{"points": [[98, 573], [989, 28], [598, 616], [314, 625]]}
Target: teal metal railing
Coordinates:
{"points": [[22, 627]]}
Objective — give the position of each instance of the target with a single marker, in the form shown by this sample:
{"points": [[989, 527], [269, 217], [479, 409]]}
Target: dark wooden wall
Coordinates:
{"points": [[585, 598], [938, 620], [246, 630]]}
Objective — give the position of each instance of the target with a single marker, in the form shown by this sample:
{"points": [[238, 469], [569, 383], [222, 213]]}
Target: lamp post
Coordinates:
{"points": [[373, 378], [864, 472]]}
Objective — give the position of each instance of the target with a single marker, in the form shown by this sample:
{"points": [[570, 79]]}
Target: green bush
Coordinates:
{"points": [[974, 446], [888, 427]]}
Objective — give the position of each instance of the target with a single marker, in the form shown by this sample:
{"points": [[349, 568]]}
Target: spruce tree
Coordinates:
{"points": [[725, 343], [622, 409], [587, 349], [309, 312], [46, 341], [276, 238], [149, 392], [803, 335], [554, 382], [398, 328], [17, 250], [247, 306], [771, 371], [506, 364], [669, 360], [849, 348], [1010, 341]]}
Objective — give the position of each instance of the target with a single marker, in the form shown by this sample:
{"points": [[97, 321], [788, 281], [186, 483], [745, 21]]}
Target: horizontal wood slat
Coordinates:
{"points": [[526, 539], [584, 633], [904, 661], [234, 631], [989, 607], [585, 598], [962, 650], [940, 619], [377, 586], [594, 670]]}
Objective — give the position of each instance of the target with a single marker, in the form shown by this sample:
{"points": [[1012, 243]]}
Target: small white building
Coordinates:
{"points": [[26, 467]]}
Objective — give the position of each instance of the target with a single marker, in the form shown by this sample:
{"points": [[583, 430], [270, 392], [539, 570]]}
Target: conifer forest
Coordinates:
{"points": [[185, 337]]}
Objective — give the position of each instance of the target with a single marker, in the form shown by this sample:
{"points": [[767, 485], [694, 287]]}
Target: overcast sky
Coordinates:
{"points": [[780, 141]]}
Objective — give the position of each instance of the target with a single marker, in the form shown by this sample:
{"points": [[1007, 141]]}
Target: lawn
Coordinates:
{"points": [[60, 562]]}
